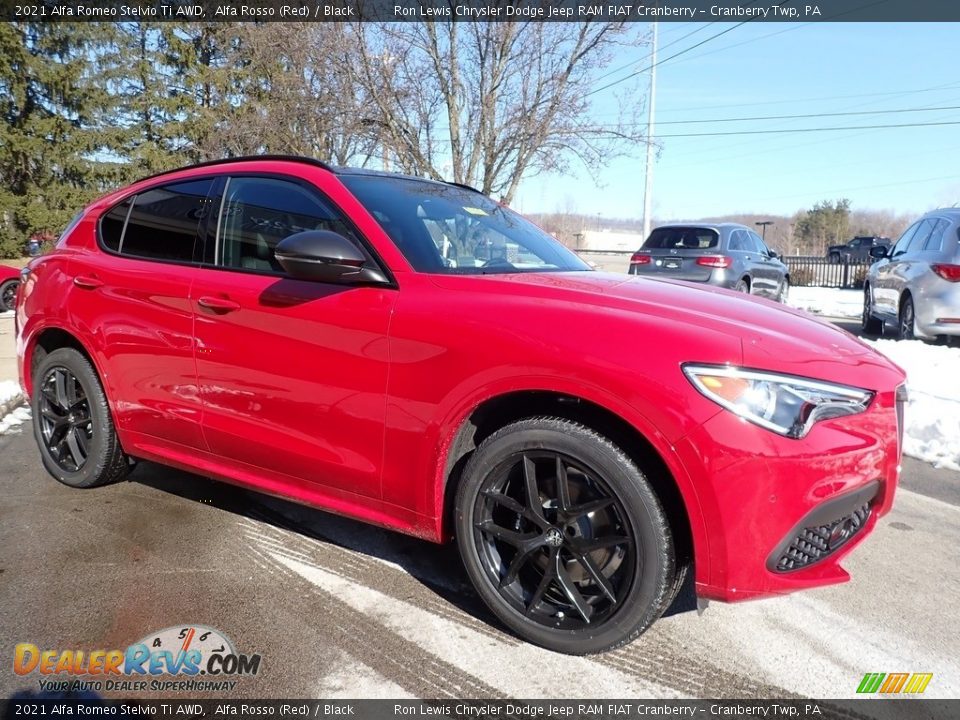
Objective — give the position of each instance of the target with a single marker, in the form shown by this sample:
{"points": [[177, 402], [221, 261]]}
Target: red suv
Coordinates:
{"points": [[415, 355]]}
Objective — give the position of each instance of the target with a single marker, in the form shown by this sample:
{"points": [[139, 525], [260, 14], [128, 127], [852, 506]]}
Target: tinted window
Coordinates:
{"points": [[901, 247], [260, 212], [919, 238], [111, 225], [682, 238], [737, 241], [758, 243], [449, 229], [163, 221], [935, 239]]}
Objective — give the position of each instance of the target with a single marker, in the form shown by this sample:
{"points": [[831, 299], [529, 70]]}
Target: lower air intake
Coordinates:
{"points": [[815, 543]]}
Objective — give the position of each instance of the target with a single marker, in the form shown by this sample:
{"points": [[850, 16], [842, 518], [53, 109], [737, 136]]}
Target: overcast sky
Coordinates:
{"points": [[778, 69]]}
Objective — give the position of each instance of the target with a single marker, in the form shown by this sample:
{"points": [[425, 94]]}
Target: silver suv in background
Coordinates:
{"points": [[916, 284], [723, 254]]}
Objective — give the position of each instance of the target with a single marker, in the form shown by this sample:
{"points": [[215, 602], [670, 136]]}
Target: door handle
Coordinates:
{"points": [[87, 282], [218, 304]]}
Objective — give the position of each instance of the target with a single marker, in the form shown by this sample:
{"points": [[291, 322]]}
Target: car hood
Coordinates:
{"points": [[772, 336]]}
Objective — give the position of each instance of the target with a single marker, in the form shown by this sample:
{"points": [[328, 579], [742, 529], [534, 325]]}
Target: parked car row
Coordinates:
{"points": [[726, 255], [915, 286]]}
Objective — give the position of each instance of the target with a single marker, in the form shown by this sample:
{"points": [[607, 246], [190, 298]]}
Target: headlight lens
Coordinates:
{"points": [[787, 405]]}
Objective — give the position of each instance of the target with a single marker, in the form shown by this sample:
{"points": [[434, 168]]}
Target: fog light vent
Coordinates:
{"points": [[816, 543]]}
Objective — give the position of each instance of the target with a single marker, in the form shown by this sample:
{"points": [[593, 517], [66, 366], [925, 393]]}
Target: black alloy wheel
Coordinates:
{"points": [[554, 540], [563, 537], [72, 423], [8, 295], [65, 421]]}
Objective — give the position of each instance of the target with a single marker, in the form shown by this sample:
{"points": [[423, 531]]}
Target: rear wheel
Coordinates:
{"points": [[905, 327], [8, 294], [868, 323], [743, 285], [563, 537], [72, 423]]}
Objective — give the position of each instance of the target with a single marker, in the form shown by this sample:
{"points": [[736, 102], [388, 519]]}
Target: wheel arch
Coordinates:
{"points": [[680, 503], [43, 342]]}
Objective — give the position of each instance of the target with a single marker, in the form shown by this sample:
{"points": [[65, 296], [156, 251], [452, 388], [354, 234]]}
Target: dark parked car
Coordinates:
{"points": [[856, 249], [415, 355], [916, 285], [723, 254]]}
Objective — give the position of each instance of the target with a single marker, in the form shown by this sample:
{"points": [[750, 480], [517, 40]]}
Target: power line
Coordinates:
{"points": [[808, 115], [809, 130], [670, 57]]}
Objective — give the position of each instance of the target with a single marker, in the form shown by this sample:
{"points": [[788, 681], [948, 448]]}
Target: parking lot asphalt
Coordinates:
{"points": [[339, 609]]}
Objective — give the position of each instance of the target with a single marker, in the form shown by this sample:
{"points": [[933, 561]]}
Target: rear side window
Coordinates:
{"points": [[260, 212], [933, 243], [111, 225], [162, 222], [682, 238]]}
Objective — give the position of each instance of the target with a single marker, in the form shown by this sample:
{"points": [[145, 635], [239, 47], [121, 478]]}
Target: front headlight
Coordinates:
{"points": [[787, 405]]}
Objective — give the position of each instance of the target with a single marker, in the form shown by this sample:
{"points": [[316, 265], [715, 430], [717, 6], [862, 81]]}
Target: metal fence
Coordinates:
{"points": [[811, 271]]}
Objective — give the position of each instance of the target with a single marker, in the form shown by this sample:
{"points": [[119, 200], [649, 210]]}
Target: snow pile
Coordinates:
{"points": [[933, 414], [829, 302], [6, 313], [10, 397]]}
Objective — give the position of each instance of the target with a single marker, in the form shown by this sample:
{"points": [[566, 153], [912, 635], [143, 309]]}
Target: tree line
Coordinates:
{"points": [[806, 232], [91, 106]]}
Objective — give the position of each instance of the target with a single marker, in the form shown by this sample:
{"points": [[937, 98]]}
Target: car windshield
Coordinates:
{"points": [[448, 229], [682, 238]]}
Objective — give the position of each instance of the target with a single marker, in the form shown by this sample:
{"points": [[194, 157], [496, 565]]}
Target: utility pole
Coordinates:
{"points": [[648, 181], [763, 224]]}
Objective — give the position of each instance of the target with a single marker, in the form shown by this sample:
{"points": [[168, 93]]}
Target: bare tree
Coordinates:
{"points": [[490, 103], [286, 92]]}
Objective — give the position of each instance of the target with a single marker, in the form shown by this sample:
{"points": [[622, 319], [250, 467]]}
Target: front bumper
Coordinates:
{"points": [[781, 514]]}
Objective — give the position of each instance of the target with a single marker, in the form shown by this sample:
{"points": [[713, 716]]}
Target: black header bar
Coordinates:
{"points": [[786, 11]]}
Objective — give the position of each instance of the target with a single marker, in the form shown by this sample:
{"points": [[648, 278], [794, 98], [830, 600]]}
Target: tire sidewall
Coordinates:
{"points": [[652, 560], [97, 455]]}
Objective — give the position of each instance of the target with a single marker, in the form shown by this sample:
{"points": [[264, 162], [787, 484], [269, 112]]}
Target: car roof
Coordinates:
{"points": [[710, 225], [953, 212], [337, 170]]}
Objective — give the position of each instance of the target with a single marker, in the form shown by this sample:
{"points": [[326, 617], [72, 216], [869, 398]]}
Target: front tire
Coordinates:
{"points": [[563, 537], [8, 295], [784, 293], [868, 323], [72, 423]]}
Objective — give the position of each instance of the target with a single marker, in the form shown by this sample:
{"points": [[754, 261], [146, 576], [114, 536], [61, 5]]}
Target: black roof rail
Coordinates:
{"points": [[244, 158]]}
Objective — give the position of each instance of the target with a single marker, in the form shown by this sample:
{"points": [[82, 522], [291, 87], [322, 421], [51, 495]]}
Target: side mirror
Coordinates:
{"points": [[325, 256], [879, 251], [772, 254]]}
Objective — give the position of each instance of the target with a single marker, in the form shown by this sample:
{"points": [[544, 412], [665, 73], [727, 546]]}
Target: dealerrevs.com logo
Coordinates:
{"points": [[202, 658]]}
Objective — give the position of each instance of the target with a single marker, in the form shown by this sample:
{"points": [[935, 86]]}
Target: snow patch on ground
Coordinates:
{"points": [[933, 413], [830, 302], [11, 416], [6, 314]]}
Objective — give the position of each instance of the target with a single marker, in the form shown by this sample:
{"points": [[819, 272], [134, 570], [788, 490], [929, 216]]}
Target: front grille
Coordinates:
{"points": [[812, 544]]}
